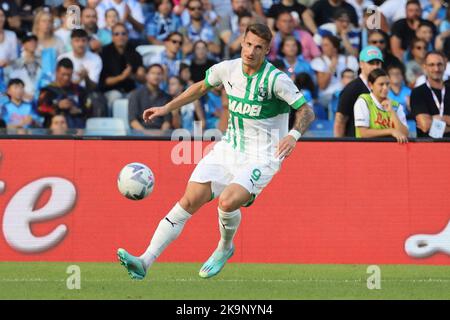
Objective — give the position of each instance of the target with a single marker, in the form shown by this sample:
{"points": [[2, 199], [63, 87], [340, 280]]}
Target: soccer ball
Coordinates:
{"points": [[135, 181]]}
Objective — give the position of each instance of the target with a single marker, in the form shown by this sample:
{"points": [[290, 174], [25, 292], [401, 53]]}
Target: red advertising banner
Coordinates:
{"points": [[332, 202]]}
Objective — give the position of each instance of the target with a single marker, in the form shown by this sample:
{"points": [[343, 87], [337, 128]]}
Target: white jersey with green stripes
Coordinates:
{"points": [[258, 106]]}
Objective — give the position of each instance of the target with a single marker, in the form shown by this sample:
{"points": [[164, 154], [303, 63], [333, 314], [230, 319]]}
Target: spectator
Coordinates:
{"points": [[47, 40], [425, 31], [87, 65], [286, 27], [208, 14], [27, 67], [347, 76], [64, 96], [222, 8], [11, 12], [64, 30], [376, 115], [398, 90], [25, 15], [342, 29], [130, 13], [89, 23], [8, 43], [58, 125], [149, 95], [329, 67], [414, 66], [380, 39], [291, 53], [162, 23], [370, 58], [229, 24], [64, 6], [404, 30], [185, 74], [200, 61], [244, 19], [16, 112], [323, 11], [122, 66], [104, 35], [186, 115], [430, 102], [199, 29], [170, 58], [301, 14]]}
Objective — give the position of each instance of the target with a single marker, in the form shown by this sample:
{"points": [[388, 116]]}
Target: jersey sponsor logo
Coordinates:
{"points": [[252, 110]]}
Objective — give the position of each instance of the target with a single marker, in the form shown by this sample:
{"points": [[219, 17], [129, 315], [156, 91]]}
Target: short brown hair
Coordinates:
{"points": [[261, 30]]}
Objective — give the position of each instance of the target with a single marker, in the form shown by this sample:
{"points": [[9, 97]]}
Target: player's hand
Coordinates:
{"points": [[151, 113], [285, 147], [401, 138]]}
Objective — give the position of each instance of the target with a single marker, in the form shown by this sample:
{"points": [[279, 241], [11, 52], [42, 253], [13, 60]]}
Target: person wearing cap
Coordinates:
{"points": [[376, 115], [27, 67], [342, 28], [370, 58]]}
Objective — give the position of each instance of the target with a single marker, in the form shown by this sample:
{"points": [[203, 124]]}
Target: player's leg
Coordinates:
{"points": [[169, 228], [231, 199]]}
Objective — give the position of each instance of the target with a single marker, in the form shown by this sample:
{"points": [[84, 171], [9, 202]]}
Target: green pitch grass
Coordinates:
{"points": [[46, 280]]}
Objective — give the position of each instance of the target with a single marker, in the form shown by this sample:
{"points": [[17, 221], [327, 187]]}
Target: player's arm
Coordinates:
{"points": [[193, 93]]}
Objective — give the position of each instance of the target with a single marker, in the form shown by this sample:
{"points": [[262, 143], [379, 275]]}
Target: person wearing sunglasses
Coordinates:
{"points": [[170, 58], [122, 66], [199, 29], [380, 39]]}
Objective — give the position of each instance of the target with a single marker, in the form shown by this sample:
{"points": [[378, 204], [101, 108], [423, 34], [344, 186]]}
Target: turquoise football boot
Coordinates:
{"points": [[133, 264], [215, 263]]}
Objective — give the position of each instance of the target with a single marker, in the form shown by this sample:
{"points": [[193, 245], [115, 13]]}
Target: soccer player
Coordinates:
{"points": [[249, 155]]}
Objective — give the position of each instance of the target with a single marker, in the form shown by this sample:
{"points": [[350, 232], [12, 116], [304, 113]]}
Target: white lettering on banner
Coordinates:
{"points": [[19, 214]]}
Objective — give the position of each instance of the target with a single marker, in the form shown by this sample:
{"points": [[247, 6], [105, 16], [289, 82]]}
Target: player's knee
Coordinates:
{"points": [[227, 204]]}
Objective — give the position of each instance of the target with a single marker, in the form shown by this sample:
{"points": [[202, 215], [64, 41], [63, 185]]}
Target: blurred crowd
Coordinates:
{"points": [[63, 61]]}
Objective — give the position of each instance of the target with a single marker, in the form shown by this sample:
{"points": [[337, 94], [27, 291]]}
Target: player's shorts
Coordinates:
{"points": [[225, 165]]}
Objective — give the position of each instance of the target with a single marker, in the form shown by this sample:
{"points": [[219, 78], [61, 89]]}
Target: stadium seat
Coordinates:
{"points": [[412, 128], [120, 111], [105, 127], [148, 52]]}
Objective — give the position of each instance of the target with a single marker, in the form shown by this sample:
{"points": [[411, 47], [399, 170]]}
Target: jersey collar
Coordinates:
{"points": [[261, 69]]}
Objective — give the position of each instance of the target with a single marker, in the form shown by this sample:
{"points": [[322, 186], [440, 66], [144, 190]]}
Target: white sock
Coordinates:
{"points": [[169, 229], [228, 225]]}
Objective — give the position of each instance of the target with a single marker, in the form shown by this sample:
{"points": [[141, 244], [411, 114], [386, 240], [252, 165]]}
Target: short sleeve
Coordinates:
{"points": [[285, 89], [215, 75], [361, 112]]}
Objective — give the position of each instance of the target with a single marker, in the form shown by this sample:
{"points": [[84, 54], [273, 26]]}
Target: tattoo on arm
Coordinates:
{"points": [[303, 119]]}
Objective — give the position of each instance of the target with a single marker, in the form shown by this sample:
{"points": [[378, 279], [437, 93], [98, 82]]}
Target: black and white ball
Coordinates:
{"points": [[136, 181]]}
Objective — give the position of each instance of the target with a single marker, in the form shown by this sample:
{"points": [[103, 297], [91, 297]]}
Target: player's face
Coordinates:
{"points": [[254, 50], [380, 87], [434, 67]]}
